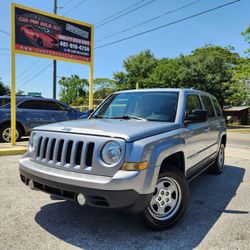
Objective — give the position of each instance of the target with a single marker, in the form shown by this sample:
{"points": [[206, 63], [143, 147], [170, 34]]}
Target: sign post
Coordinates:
{"points": [[13, 80], [91, 73], [42, 34]]}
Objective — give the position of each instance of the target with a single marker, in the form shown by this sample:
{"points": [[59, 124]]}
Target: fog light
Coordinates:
{"points": [[81, 199]]}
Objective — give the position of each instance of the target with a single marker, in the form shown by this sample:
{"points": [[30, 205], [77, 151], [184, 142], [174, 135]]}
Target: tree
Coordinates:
{"points": [[103, 87], [73, 90], [4, 90], [166, 74], [138, 69], [209, 68], [238, 91], [246, 34]]}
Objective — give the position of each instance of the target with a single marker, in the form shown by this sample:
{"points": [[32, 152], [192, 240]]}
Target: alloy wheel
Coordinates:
{"points": [[7, 134]]}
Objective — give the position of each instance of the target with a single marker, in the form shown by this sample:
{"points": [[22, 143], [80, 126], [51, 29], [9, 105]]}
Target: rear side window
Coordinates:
{"points": [[216, 106], [193, 102], [50, 105], [29, 105], [208, 106], [41, 105]]}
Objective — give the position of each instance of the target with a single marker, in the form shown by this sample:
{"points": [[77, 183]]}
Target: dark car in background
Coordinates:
{"points": [[32, 112]]}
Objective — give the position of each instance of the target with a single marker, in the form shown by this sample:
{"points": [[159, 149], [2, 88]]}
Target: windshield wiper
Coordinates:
{"points": [[128, 117], [97, 116]]}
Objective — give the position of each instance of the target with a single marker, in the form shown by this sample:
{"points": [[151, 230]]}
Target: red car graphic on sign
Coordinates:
{"points": [[41, 39]]}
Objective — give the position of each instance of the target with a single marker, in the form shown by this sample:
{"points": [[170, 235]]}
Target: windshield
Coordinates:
{"points": [[151, 106], [4, 101]]}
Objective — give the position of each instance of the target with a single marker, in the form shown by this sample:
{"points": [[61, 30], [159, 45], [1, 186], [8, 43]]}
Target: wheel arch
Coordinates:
{"points": [[176, 159], [171, 151], [224, 139]]}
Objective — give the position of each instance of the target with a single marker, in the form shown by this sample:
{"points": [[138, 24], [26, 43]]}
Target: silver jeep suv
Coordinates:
{"points": [[136, 152]]}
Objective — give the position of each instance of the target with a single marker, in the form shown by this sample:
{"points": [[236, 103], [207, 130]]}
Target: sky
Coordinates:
{"points": [[220, 27]]}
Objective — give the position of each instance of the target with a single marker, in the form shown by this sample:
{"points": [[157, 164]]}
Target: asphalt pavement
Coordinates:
{"points": [[218, 215]]}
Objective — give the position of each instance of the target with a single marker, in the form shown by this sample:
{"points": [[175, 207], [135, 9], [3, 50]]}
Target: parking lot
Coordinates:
{"points": [[218, 215]]}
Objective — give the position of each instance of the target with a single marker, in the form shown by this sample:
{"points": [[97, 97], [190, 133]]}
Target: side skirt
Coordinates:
{"points": [[199, 168]]}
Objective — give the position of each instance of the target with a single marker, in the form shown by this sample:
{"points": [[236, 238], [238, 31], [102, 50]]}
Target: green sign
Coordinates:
{"points": [[36, 94]]}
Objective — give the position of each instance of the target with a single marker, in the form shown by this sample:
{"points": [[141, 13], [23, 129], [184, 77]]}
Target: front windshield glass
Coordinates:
{"points": [[151, 106]]}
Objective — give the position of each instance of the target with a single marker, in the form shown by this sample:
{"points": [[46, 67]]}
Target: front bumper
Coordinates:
{"points": [[127, 200], [123, 191]]}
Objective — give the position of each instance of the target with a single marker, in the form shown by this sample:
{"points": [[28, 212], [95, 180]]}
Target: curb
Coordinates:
{"points": [[13, 151]]}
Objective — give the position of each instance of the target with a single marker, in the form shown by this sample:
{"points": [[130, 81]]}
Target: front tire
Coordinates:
{"points": [[169, 201], [5, 133]]}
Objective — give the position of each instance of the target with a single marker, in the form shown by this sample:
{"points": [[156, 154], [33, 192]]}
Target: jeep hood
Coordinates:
{"points": [[129, 130]]}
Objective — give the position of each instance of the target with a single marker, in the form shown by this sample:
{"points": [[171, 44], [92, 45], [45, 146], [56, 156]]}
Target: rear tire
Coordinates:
{"points": [[218, 166], [5, 133], [169, 201]]}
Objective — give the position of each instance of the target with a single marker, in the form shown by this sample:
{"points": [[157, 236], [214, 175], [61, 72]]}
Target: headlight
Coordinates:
{"points": [[33, 142], [111, 152]]}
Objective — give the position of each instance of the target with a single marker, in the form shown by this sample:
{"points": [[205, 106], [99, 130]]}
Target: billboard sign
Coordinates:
{"points": [[47, 35]]}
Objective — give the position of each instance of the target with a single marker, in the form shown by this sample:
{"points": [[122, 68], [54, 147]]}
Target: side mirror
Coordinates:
{"points": [[86, 113], [89, 112], [198, 115]]}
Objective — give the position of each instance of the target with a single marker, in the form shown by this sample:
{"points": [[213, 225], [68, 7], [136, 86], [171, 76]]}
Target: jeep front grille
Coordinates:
{"points": [[74, 152], [65, 153]]}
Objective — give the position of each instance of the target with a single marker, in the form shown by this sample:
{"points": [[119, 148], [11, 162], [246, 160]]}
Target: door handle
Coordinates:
{"points": [[206, 130]]}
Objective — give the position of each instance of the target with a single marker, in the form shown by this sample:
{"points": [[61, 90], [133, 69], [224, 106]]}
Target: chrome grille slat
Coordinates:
{"points": [[37, 150], [42, 148], [55, 151], [48, 149], [73, 154], [83, 156], [63, 156]]}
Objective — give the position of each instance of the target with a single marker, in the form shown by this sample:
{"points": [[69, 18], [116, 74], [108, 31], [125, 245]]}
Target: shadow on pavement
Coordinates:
{"points": [[97, 228]]}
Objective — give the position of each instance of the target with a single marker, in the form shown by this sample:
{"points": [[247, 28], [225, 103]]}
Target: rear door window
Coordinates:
{"points": [[216, 106], [29, 104], [57, 106], [50, 105], [208, 106], [42, 105]]}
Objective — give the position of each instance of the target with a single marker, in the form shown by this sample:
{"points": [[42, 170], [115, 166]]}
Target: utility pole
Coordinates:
{"points": [[54, 61]]}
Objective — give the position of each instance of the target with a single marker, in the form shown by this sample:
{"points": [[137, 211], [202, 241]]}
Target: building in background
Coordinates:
{"points": [[240, 114]]}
